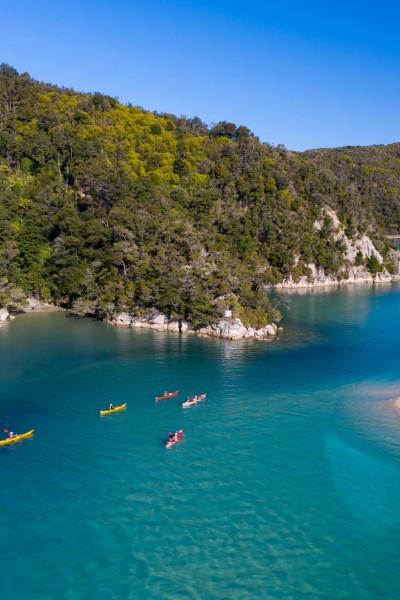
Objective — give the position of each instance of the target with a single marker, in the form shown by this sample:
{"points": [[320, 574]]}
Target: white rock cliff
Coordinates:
{"points": [[350, 273]]}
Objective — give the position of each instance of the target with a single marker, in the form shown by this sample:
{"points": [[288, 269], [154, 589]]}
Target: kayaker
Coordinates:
{"points": [[11, 434], [111, 406]]}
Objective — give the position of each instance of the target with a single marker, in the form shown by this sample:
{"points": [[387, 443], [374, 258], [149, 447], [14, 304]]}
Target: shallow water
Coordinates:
{"points": [[287, 487]]}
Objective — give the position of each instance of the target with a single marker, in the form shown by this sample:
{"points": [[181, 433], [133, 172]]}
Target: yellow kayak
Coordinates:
{"points": [[17, 438], [113, 410]]}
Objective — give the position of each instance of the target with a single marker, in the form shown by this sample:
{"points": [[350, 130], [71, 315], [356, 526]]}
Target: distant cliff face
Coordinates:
{"points": [[111, 209], [362, 261]]}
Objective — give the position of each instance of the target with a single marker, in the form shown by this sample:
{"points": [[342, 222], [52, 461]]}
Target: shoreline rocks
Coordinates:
{"points": [[31, 305], [234, 329], [320, 279], [228, 328], [4, 315], [39, 306], [154, 320]]}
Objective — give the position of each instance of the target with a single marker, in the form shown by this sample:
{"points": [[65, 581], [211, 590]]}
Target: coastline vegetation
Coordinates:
{"points": [[107, 207]]}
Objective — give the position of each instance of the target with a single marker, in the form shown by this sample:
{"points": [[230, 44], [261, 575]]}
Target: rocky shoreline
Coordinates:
{"points": [[32, 305], [358, 253], [228, 327], [355, 275]]}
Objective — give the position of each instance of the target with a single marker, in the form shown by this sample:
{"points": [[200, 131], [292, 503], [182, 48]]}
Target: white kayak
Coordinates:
{"points": [[194, 400]]}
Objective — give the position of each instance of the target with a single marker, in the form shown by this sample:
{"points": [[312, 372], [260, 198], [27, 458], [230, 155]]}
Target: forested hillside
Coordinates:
{"points": [[109, 207]]}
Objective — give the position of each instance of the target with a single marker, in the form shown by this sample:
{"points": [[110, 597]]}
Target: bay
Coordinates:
{"points": [[287, 486]]}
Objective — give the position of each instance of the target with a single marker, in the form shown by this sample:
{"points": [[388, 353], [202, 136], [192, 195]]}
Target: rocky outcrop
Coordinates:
{"points": [[154, 320], [35, 305], [226, 328], [4, 315], [351, 272], [234, 329]]}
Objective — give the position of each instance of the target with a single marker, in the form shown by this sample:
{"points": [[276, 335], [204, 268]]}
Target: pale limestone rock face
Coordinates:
{"points": [[184, 327], [350, 273], [319, 278], [158, 320], [173, 326], [139, 323], [4, 315], [35, 305], [394, 256], [233, 329], [365, 246], [121, 320], [271, 329], [155, 320]]}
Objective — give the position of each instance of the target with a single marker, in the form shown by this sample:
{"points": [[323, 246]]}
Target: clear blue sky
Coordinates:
{"points": [[303, 73]]}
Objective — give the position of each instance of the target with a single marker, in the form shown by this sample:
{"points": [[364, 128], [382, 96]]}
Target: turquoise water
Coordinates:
{"points": [[287, 487]]}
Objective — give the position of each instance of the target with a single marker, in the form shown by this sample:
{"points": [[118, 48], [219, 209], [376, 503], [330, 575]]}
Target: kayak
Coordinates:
{"points": [[113, 410], [167, 395], [179, 436], [16, 438], [194, 400]]}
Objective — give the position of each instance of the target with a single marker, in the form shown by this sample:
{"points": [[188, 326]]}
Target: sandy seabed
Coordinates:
{"points": [[395, 402]]}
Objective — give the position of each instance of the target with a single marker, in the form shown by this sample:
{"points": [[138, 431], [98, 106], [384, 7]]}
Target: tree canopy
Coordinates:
{"points": [[120, 208]]}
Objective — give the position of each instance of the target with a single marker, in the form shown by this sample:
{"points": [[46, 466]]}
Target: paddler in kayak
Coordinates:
{"points": [[175, 437], [111, 406], [11, 434]]}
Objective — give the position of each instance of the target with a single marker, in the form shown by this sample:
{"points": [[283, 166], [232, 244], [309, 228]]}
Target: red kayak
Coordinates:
{"points": [[167, 395], [175, 439]]}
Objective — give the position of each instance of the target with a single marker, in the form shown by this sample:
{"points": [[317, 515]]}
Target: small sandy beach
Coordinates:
{"points": [[396, 402]]}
